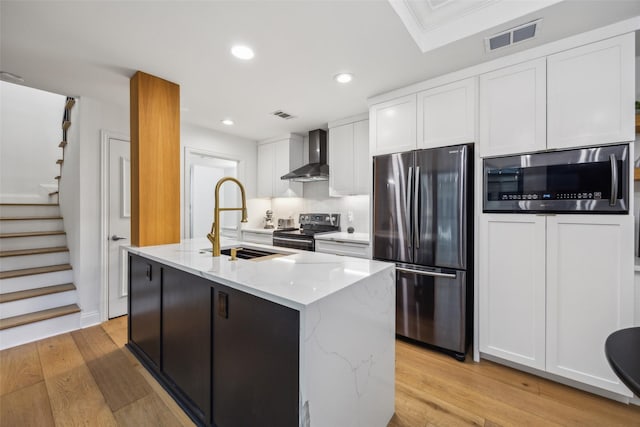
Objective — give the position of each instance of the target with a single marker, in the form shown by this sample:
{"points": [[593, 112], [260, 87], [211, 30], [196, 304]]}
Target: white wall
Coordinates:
{"points": [[80, 196], [30, 131]]}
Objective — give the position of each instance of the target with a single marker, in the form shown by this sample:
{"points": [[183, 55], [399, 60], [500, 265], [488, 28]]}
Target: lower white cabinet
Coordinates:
{"points": [[552, 288], [257, 237], [336, 247]]}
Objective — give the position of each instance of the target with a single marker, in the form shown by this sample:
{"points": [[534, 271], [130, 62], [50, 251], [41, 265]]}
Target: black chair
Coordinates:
{"points": [[622, 349]]}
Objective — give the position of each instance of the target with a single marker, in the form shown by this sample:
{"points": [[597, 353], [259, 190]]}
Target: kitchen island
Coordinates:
{"points": [[295, 339]]}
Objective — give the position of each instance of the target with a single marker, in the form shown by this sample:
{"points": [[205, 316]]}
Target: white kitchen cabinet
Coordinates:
{"points": [[591, 94], [264, 238], [513, 109], [589, 294], [512, 288], [277, 157], [338, 247], [447, 114], [552, 288], [349, 159], [392, 125]]}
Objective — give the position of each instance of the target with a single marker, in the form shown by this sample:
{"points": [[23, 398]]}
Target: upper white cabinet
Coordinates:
{"points": [[349, 158], [447, 114], [277, 157], [591, 94], [393, 125], [513, 109], [552, 288]]}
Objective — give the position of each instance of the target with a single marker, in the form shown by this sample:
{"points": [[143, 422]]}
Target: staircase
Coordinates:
{"points": [[37, 295]]}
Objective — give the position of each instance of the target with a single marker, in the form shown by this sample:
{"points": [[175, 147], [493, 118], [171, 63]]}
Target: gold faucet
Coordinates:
{"points": [[214, 234]]}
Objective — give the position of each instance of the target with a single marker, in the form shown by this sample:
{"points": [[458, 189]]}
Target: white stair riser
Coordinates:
{"points": [[18, 210], [32, 261], [21, 226], [35, 242], [23, 283], [39, 330], [31, 305]]}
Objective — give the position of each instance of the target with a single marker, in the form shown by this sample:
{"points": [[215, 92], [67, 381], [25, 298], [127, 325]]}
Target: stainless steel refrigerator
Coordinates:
{"points": [[423, 221]]}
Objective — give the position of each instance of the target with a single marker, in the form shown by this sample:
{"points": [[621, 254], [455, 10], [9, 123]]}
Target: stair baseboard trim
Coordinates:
{"points": [[36, 292], [90, 318], [38, 316], [33, 271]]}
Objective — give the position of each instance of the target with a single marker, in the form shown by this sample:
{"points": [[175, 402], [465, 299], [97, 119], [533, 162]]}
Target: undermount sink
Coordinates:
{"points": [[248, 253]]}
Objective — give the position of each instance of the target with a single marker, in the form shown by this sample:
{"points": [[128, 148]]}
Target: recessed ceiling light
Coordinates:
{"points": [[242, 52], [343, 77], [227, 122]]}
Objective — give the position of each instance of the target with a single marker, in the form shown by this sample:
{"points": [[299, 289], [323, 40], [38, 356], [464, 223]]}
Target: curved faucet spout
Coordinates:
{"points": [[214, 235]]}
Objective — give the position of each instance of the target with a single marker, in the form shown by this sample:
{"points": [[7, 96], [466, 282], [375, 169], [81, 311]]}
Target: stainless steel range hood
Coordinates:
{"points": [[317, 169]]}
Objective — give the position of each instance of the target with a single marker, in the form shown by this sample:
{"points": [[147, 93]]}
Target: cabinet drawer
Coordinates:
{"points": [[262, 238], [342, 248]]}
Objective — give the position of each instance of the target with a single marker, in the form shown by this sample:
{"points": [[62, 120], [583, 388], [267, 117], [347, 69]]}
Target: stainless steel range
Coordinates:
{"points": [[310, 225]]}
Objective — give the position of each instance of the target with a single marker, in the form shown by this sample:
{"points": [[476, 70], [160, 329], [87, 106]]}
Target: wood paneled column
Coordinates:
{"points": [[155, 161]]}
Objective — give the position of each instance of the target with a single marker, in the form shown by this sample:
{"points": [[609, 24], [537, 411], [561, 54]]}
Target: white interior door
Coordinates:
{"points": [[119, 224]]}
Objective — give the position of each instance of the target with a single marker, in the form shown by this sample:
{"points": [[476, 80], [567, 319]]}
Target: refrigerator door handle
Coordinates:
{"points": [[407, 206], [416, 210], [427, 273]]}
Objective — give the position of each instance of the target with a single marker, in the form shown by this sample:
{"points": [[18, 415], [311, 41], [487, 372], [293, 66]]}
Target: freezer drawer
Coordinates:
{"points": [[431, 307]]}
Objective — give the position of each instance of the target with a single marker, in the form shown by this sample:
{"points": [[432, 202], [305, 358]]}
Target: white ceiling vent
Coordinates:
{"points": [[512, 36], [283, 115]]}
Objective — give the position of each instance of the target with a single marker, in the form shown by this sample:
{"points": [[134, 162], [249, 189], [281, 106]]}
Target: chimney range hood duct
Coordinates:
{"points": [[317, 169]]}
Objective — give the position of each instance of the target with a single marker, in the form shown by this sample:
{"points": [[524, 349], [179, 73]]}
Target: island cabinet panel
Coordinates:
{"points": [[186, 338], [145, 280], [256, 362]]}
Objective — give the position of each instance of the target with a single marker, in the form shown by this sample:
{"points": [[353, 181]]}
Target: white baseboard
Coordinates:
{"points": [[89, 318]]}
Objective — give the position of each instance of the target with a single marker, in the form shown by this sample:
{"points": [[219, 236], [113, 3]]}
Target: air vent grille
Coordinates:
{"points": [[513, 36], [283, 115]]}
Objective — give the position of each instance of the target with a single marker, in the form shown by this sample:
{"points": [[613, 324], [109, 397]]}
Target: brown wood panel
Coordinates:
{"points": [[19, 368], [155, 160], [148, 411], [118, 381], [58, 355], [28, 406]]}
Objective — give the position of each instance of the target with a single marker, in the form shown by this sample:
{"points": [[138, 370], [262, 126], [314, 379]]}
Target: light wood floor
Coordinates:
{"points": [[88, 378]]}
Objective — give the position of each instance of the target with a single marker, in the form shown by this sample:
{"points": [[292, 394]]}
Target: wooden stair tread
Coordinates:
{"points": [[36, 251], [53, 193], [66, 124], [25, 319], [37, 292], [59, 161], [32, 271], [31, 234], [29, 204], [27, 218], [62, 144], [69, 104]]}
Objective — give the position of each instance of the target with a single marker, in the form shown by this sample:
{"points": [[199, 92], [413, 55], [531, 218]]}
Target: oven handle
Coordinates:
{"points": [[614, 180], [285, 239]]}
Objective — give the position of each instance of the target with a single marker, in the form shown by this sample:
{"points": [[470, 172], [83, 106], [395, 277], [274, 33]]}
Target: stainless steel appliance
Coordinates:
{"points": [[285, 223], [422, 221], [585, 180], [310, 225], [317, 169]]}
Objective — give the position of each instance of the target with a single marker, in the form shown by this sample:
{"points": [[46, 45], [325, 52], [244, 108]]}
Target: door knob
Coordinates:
{"points": [[116, 238]]}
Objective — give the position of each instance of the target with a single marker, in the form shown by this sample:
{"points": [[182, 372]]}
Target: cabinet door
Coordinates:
{"points": [[266, 162], [512, 288], [591, 93], [341, 160], [358, 250], [447, 114], [263, 238], [513, 109], [145, 280], [186, 337], [393, 125], [256, 363], [361, 165], [589, 294]]}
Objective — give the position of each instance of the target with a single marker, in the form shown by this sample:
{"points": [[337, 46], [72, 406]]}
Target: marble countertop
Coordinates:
{"points": [[296, 280], [362, 238]]}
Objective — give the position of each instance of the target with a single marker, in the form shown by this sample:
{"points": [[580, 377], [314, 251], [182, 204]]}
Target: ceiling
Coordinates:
{"points": [[92, 48]]}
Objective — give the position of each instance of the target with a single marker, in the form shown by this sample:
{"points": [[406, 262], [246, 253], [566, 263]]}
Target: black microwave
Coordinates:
{"points": [[585, 180]]}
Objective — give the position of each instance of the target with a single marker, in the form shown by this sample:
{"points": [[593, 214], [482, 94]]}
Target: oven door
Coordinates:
{"points": [[306, 244], [588, 180]]}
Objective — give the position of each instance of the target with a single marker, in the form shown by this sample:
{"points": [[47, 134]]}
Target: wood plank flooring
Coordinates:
{"points": [[87, 377]]}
